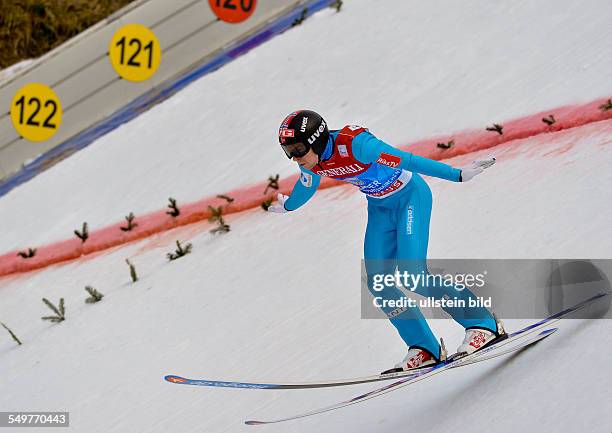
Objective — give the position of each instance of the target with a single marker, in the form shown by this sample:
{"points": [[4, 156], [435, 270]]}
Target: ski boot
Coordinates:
{"points": [[479, 338], [418, 358]]}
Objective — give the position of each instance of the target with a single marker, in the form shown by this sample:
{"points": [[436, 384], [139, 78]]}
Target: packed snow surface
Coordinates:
{"points": [[406, 70], [278, 297]]}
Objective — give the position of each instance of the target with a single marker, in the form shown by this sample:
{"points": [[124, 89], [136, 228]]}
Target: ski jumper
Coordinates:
{"points": [[397, 234]]}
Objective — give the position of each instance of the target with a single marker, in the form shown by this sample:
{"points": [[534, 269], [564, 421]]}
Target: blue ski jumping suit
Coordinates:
{"points": [[397, 234]]}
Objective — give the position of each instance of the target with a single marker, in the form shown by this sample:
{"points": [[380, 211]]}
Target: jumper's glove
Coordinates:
{"points": [[475, 168], [280, 206]]}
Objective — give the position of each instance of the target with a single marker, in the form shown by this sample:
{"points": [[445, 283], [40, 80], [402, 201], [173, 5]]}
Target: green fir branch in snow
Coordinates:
{"points": [[180, 251], [496, 128], [221, 228], [60, 312], [216, 213], [266, 204], [607, 106], [131, 224], [272, 183], [83, 234], [12, 333], [447, 145], [549, 120], [174, 210], [132, 271], [301, 18], [95, 295], [218, 218], [28, 254], [227, 198]]}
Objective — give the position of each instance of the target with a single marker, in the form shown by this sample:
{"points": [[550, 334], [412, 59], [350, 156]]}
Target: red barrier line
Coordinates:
{"points": [[252, 196]]}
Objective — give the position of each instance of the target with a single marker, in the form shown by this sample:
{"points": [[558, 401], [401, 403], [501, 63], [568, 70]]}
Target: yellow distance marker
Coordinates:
{"points": [[134, 52], [36, 112]]}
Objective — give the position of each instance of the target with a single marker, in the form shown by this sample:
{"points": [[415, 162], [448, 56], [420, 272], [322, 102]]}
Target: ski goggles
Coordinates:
{"points": [[295, 150]]}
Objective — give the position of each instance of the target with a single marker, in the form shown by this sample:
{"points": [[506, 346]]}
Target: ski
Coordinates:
{"points": [[481, 355], [366, 379], [467, 360], [288, 385]]}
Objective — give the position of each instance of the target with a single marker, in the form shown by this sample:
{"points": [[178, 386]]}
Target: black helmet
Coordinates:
{"points": [[301, 131]]}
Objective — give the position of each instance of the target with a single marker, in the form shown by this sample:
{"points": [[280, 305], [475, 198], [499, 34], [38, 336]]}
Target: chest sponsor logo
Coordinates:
{"points": [[389, 160], [396, 185], [342, 150], [341, 171], [354, 127]]}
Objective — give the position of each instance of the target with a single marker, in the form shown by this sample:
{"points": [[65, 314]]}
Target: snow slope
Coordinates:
{"points": [[406, 70], [250, 305], [278, 296]]}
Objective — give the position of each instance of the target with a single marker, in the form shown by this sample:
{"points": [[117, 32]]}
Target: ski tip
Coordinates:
{"points": [[174, 379], [250, 422], [549, 331]]}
